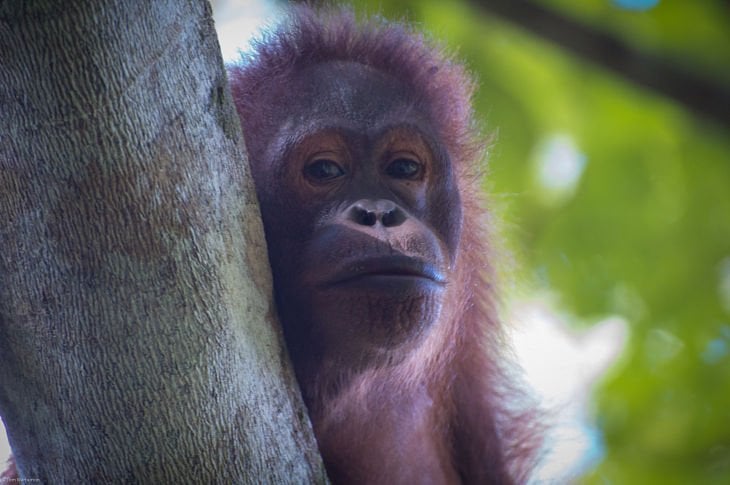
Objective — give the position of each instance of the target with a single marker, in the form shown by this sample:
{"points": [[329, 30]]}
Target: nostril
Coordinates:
{"points": [[371, 212], [363, 216], [393, 217]]}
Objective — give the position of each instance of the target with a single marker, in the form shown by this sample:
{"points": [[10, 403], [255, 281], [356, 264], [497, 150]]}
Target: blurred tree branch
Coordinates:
{"points": [[701, 95]]}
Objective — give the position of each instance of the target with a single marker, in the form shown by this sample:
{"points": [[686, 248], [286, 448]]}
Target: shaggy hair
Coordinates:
{"points": [[486, 421], [439, 85]]}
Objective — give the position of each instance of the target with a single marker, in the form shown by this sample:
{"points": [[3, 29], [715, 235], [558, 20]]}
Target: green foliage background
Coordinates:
{"points": [[645, 234]]}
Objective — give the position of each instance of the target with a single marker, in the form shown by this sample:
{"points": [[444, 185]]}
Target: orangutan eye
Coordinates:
{"points": [[323, 170], [404, 168]]}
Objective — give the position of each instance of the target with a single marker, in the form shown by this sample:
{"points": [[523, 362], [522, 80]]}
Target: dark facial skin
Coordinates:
{"points": [[362, 216]]}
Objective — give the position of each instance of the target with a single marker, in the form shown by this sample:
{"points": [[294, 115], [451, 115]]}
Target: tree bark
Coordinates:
{"points": [[138, 339]]}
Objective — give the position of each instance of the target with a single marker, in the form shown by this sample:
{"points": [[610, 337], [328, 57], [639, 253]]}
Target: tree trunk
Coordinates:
{"points": [[138, 339]]}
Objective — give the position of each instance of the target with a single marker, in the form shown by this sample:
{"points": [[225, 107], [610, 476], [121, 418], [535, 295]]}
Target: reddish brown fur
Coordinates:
{"points": [[10, 475], [468, 424]]}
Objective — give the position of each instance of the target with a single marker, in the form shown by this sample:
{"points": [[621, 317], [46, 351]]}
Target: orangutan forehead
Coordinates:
{"points": [[348, 91]]}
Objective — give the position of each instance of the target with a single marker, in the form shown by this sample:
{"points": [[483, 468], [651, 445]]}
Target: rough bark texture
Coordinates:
{"points": [[138, 340]]}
